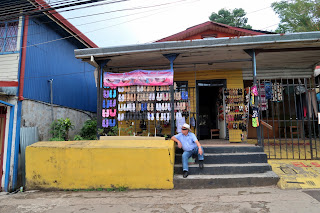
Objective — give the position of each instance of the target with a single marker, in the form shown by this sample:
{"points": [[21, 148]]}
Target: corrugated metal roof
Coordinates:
{"points": [[275, 52]]}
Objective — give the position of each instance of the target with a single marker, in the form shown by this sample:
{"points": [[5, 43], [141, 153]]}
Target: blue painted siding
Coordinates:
{"points": [[73, 80]]}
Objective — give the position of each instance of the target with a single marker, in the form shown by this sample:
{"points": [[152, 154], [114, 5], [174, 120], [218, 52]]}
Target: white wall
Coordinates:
{"points": [[9, 66]]}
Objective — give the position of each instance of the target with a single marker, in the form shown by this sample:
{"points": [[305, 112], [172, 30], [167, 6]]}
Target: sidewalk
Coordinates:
{"points": [[262, 199], [297, 174]]}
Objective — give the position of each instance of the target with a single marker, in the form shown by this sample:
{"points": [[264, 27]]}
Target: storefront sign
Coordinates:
{"points": [[138, 77]]}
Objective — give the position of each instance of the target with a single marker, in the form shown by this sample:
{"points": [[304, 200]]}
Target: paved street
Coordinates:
{"points": [[263, 199]]}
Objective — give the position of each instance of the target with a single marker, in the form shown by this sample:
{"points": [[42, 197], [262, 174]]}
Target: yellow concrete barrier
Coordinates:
{"points": [[130, 138], [143, 164]]}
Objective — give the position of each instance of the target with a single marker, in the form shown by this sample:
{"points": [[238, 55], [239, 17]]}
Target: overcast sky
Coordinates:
{"points": [[138, 26]]}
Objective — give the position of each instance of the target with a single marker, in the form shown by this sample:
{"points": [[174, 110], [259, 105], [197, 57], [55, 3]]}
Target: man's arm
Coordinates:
{"points": [[200, 151], [177, 141]]}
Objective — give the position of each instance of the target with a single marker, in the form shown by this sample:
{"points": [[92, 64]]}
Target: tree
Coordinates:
{"points": [[235, 18], [298, 15]]}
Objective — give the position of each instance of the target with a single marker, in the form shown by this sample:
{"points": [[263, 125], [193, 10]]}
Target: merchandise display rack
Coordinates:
{"points": [[235, 114], [149, 105]]}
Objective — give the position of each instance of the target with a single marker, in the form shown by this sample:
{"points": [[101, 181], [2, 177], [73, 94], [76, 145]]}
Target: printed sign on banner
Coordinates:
{"points": [[138, 77]]}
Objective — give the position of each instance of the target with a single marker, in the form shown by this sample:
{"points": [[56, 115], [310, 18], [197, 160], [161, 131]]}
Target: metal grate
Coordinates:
{"points": [[291, 108]]}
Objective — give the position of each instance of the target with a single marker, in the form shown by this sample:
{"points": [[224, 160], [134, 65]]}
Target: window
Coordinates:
{"points": [[8, 36]]}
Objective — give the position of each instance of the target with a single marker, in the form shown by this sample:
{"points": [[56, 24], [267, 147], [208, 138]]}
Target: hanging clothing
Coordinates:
{"points": [[312, 103], [318, 100], [263, 100], [301, 106], [192, 122], [255, 117], [277, 92], [268, 89]]}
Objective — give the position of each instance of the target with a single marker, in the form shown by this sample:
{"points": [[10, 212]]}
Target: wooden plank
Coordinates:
{"points": [[266, 125]]}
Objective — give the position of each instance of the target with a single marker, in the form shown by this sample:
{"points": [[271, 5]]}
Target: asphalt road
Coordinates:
{"points": [[244, 200]]}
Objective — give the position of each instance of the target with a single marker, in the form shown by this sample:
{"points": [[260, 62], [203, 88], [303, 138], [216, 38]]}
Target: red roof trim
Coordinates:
{"points": [[67, 24], [206, 25]]}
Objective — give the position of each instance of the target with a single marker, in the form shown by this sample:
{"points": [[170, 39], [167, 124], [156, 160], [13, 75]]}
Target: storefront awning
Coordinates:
{"points": [[299, 52]]}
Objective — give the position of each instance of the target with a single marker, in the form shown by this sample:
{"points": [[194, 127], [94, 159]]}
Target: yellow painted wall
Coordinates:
{"points": [[144, 164], [234, 80]]}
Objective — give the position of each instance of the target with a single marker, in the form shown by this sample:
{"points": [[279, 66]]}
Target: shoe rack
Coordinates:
{"points": [[109, 107], [148, 104], [235, 111]]}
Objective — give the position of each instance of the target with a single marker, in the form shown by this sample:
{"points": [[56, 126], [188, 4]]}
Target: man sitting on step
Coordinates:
{"points": [[190, 145]]}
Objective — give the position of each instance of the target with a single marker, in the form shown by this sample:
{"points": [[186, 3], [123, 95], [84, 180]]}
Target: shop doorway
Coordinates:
{"points": [[3, 112], [210, 118]]}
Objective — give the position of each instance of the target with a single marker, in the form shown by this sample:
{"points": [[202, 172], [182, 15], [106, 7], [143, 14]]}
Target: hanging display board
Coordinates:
{"points": [[138, 77]]}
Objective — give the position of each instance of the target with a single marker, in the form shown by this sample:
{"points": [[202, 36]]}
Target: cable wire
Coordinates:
{"points": [[8, 17]]}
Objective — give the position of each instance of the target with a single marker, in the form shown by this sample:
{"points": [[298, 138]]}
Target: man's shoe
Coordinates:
{"points": [[185, 174], [201, 164]]}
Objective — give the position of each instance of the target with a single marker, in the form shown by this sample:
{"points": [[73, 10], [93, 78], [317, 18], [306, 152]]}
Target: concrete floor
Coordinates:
{"points": [[237, 200]]}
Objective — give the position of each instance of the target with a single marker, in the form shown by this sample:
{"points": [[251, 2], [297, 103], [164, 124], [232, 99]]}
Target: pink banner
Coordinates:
{"points": [[138, 77]]}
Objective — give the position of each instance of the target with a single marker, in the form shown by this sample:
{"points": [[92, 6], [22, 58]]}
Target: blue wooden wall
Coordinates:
{"points": [[73, 80]]}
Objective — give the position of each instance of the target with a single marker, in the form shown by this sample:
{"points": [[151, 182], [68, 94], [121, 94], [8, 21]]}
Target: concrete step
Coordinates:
{"points": [[225, 181], [227, 149], [230, 158], [225, 169]]}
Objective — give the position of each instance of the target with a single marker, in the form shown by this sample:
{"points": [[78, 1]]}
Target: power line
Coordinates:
{"points": [[113, 11], [27, 5], [15, 16], [64, 74], [76, 35], [116, 11], [151, 6], [111, 25]]}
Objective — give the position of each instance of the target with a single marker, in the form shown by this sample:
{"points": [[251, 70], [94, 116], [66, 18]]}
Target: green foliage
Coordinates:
{"points": [[129, 130], [114, 131], [60, 128], [89, 130], [56, 139], [235, 18], [298, 15], [78, 138], [122, 188]]}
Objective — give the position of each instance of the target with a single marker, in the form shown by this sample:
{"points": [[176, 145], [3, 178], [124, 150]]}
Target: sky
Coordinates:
{"points": [[163, 18]]}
